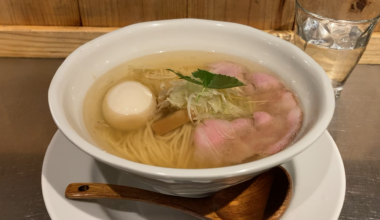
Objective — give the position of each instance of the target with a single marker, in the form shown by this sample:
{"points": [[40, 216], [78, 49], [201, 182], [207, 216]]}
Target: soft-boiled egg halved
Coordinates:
{"points": [[128, 105]]}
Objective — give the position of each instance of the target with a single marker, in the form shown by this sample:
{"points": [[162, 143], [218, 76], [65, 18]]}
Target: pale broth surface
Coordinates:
{"points": [[175, 157]]}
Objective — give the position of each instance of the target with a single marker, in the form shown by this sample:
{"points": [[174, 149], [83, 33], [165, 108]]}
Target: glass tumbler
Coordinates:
{"points": [[335, 34]]}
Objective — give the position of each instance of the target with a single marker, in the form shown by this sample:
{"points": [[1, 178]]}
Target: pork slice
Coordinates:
{"points": [[266, 87], [217, 131], [293, 124], [263, 135], [288, 102], [264, 82], [262, 118], [229, 69], [283, 105], [248, 89], [273, 133], [210, 139], [242, 126], [219, 141], [287, 117], [276, 121]]}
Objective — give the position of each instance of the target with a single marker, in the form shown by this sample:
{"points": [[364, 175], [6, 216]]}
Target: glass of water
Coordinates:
{"points": [[335, 34]]}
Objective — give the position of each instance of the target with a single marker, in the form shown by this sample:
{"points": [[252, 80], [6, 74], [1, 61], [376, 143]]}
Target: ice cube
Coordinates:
{"points": [[345, 43], [309, 27], [355, 36], [316, 32], [339, 33], [338, 30], [346, 36], [355, 32]]}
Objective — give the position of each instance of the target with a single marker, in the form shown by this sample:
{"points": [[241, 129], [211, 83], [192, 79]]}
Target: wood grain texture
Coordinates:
{"points": [[237, 11], [246, 200], [59, 42], [206, 9], [264, 15], [193, 206], [110, 13], [372, 53], [171, 9], [39, 12], [272, 15], [277, 14], [377, 28], [221, 10], [119, 13], [43, 41], [261, 14]]}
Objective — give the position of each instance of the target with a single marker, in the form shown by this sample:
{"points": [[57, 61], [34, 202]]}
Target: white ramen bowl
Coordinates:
{"points": [[87, 63]]}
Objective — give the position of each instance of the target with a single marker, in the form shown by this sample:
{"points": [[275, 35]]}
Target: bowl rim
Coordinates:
{"points": [[192, 174]]}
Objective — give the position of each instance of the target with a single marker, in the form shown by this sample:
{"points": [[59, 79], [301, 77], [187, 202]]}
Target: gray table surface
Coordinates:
{"points": [[26, 128]]}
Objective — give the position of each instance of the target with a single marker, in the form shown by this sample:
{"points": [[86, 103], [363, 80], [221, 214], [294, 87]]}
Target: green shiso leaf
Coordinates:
{"points": [[211, 80]]}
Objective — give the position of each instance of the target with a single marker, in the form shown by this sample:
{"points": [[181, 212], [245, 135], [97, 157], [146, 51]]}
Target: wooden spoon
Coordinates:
{"points": [[264, 197]]}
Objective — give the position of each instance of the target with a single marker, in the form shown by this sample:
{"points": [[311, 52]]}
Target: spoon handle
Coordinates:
{"points": [[193, 206]]}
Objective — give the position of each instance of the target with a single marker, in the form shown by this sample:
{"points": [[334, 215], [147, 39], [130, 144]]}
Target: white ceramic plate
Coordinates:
{"points": [[318, 176]]}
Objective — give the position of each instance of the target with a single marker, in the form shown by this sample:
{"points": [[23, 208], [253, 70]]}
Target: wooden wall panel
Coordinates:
{"points": [[377, 28], [110, 13], [237, 11], [164, 9], [59, 42], [119, 13], [261, 14], [152, 10], [205, 9], [220, 10], [39, 12], [43, 41], [272, 15], [171, 9], [265, 15]]}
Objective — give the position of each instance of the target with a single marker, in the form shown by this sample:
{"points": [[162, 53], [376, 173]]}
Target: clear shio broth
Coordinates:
{"points": [[179, 153]]}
